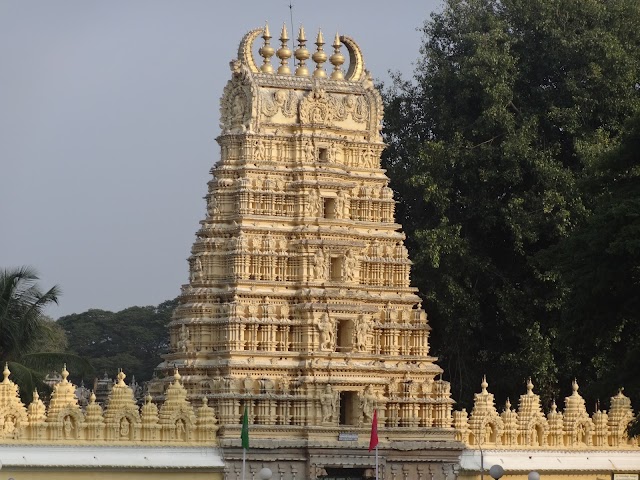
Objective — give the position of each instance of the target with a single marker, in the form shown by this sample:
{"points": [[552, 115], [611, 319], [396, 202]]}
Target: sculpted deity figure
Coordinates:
{"points": [[328, 403], [350, 266], [260, 152], [180, 429], [369, 158], [362, 332], [392, 388], [183, 338], [213, 205], [196, 270], [311, 207], [253, 312], [284, 385], [581, 433], [327, 337], [332, 153], [427, 387], [367, 405], [9, 426], [346, 211], [124, 427], [242, 241], [308, 151], [365, 158], [237, 111], [320, 265], [488, 432], [67, 426]]}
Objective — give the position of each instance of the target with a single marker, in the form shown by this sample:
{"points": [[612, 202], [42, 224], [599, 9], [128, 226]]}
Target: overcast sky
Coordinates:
{"points": [[108, 118]]}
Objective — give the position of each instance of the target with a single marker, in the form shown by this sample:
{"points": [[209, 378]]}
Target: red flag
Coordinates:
{"points": [[373, 442]]}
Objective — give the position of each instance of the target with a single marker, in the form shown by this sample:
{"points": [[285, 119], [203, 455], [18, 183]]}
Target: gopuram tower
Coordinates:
{"points": [[299, 306]]}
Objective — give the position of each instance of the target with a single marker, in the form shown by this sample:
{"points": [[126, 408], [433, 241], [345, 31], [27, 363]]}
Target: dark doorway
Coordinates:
{"points": [[339, 473]]}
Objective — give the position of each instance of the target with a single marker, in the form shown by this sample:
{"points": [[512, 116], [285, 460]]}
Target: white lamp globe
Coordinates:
{"points": [[265, 474], [533, 476], [496, 471]]}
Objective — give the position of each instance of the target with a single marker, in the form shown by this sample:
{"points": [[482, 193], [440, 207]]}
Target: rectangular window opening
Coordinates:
{"points": [[329, 207], [335, 269], [348, 408]]}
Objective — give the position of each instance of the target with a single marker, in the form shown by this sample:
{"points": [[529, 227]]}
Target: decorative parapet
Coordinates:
{"points": [[529, 428], [122, 421]]}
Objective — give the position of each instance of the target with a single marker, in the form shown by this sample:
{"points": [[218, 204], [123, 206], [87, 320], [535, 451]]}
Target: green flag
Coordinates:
{"points": [[245, 430]]}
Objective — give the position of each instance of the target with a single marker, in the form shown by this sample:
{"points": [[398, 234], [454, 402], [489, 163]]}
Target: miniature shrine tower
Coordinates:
{"points": [[299, 306]]}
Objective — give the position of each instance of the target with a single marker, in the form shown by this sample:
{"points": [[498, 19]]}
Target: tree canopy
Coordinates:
{"points": [[133, 339], [30, 343], [497, 149]]}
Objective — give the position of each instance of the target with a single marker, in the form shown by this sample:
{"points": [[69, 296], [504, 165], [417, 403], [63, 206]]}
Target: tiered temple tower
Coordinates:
{"points": [[299, 306]]}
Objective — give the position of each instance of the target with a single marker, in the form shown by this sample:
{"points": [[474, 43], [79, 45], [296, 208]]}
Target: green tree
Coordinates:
{"points": [[28, 339], [510, 103], [133, 339], [598, 270]]}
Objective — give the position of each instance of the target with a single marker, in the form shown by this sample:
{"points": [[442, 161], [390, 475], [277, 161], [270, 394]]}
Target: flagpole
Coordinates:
{"points": [[244, 436], [376, 462], [373, 441], [244, 459]]}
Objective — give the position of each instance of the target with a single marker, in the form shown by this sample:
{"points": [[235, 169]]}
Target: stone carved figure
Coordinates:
{"points": [[196, 269], [332, 153], [261, 151], [350, 266], [311, 207], [180, 429], [362, 328], [214, 210], [316, 107], [392, 388], [367, 405], [237, 110], [9, 426], [124, 427], [326, 328], [328, 403], [68, 427], [308, 151], [320, 265], [284, 385], [427, 387], [183, 338]]}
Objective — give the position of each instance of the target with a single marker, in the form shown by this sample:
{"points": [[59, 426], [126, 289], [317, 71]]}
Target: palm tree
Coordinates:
{"points": [[22, 327]]}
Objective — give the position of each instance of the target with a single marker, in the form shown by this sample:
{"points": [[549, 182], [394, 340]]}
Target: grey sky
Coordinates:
{"points": [[108, 119]]}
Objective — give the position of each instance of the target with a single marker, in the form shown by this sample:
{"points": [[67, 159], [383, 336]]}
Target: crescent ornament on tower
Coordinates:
{"points": [[356, 63], [245, 49]]}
